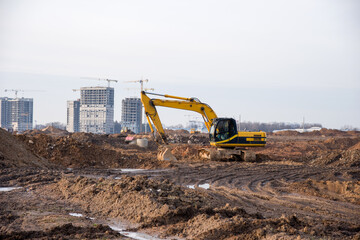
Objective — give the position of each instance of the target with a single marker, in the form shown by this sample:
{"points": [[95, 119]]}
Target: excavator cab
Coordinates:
{"points": [[223, 134], [222, 129]]}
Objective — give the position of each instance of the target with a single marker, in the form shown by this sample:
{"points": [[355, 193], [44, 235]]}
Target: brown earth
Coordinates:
{"points": [[305, 186], [91, 150], [14, 153]]}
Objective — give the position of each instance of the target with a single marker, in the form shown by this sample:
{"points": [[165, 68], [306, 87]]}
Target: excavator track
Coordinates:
{"points": [[226, 155]]}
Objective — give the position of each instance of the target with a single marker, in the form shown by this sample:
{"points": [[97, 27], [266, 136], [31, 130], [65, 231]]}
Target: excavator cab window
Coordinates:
{"points": [[223, 129]]}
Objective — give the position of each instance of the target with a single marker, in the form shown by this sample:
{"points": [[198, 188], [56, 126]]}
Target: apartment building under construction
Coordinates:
{"points": [[97, 110], [73, 116], [16, 114], [131, 114]]}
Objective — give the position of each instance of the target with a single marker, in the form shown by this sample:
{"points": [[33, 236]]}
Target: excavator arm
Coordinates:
{"points": [[189, 104]]}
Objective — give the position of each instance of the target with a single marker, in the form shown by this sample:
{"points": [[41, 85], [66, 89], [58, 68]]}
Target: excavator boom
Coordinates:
{"points": [[190, 104]]}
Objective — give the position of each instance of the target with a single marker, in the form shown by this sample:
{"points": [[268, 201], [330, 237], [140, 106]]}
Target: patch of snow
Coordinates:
{"points": [[205, 185], [76, 214], [7, 189], [131, 170], [300, 130], [191, 186]]}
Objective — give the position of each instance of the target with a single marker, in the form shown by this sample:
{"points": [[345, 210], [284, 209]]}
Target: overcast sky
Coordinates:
{"points": [[268, 61]]}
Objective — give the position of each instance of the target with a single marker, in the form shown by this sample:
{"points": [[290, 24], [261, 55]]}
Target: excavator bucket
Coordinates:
{"points": [[209, 154], [165, 154]]}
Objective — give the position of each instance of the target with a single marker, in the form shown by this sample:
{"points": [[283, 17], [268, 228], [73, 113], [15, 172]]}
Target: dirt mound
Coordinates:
{"points": [[312, 149], [90, 150], [340, 143], [49, 130], [347, 158], [172, 132], [322, 132], [176, 211], [89, 137], [355, 147], [14, 153], [66, 231], [186, 151], [187, 138], [286, 133], [53, 130], [348, 191], [136, 198]]}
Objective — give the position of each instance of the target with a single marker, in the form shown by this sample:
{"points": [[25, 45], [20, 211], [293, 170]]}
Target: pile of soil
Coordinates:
{"points": [[187, 152], [49, 130], [324, 151], [89, 150], [338, 158], [338, 152], [200, 138], [346, 191], [322, 132], [15, 153], [53, 131], [172, 132], [176, 211], [285, 133]]}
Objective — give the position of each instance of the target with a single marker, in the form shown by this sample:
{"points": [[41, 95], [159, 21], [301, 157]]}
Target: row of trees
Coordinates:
{"points": [[269, 127], [58, 125], [266, 127]]}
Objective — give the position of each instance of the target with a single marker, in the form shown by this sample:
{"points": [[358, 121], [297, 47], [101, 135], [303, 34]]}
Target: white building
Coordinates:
{"points": [[131, 114], [73, 116], [97, 110], [16, 114]]}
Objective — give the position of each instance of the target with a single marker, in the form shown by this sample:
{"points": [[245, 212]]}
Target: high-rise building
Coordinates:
{"points": [[16, 114], [4, 113], [97, 109], [131, 114], [73, 116]]}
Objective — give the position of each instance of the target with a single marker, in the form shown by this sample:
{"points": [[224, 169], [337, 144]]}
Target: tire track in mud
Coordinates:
{"points": [[265, 188]]}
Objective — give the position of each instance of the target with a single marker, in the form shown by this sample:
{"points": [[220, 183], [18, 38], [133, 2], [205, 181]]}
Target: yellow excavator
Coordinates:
{"points": [[229, 143]]}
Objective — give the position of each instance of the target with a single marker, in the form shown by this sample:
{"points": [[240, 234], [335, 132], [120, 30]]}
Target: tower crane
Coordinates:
{"points": [[145, 89], [139, 81], [102, 79], [21, 90], [14, 90]]}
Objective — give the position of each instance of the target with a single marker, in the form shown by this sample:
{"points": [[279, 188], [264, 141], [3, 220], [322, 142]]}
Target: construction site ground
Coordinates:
{"points": [[60, 185]]}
